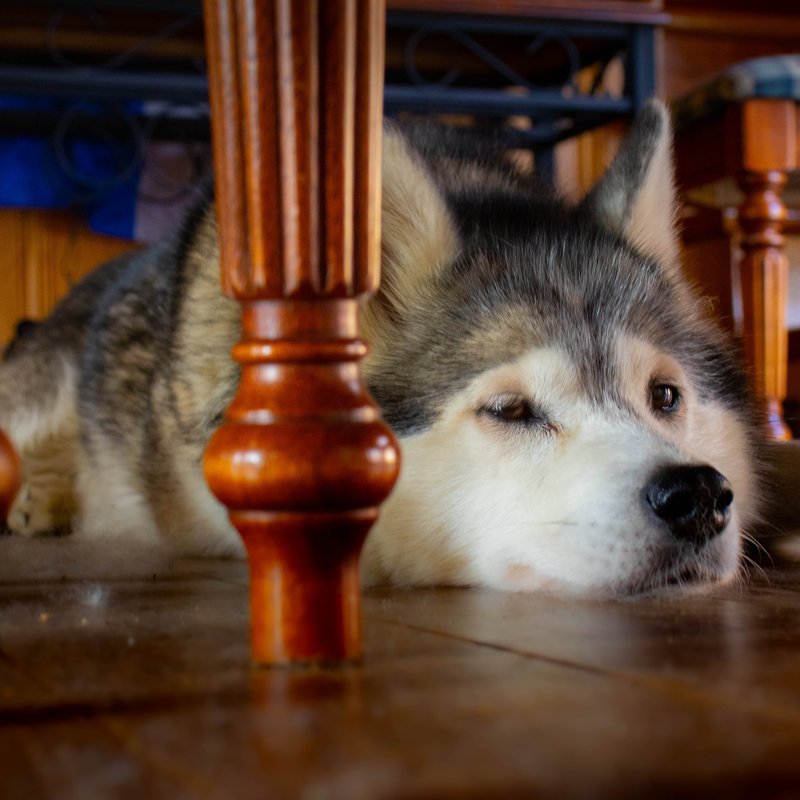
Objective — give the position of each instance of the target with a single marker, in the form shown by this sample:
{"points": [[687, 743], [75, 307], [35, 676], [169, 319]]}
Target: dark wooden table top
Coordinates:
{"points": [[625, 11], [140, 686]]}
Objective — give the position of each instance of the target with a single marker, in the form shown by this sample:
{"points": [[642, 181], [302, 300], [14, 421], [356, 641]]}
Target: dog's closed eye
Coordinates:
{"points": [[515, 410]]}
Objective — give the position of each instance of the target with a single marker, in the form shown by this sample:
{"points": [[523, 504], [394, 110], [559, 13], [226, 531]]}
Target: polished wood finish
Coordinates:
{"points": [[10, 475], [303, 459], [703, 37], [764, 275], [706, 250], [142, 687], [623, 11], [45, 252], [761, 149], [755, 142]]}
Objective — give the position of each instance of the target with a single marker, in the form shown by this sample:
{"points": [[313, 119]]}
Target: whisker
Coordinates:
{"points": [[748, 562], [747, 537], [768, 529]]}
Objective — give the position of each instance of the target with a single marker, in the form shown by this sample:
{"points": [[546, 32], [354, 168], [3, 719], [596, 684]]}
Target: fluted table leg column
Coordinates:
{"points": [[302, 460]]}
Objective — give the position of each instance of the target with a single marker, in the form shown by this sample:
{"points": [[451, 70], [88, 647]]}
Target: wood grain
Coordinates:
{"points": [[700, 39], [463, 693], [45, 253], [765, 146], [625, 11], [303, 459], [764, 275], [756, 143]]}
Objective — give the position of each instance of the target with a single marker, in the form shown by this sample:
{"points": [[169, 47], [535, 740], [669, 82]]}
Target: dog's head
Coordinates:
{"points": [[570, 419]]}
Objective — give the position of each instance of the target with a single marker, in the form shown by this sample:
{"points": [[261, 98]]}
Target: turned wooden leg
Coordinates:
{"points": [[303, 459], [9, 476], [765, 288]]}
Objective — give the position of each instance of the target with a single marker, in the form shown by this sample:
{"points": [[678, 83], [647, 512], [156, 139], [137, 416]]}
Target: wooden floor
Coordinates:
{"points": [[142, 688]]}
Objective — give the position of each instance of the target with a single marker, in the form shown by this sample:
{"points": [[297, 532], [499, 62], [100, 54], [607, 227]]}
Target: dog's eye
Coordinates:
{"points": [[664, 398], [513, 410]]}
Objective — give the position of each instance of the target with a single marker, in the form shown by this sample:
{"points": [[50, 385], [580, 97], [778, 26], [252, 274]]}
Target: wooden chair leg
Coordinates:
{"points": [[765, 287], [303, 459], [9, 476]]}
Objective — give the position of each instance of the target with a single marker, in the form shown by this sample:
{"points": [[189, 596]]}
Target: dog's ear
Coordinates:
{"points": [[418, 238], [636, 196], [418, 234]]}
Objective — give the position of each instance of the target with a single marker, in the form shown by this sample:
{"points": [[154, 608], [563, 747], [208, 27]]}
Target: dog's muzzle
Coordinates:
{"points": [[693, 501]]}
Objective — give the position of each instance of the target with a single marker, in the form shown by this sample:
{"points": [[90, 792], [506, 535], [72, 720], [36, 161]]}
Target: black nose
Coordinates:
{"points": [[694, 502]]}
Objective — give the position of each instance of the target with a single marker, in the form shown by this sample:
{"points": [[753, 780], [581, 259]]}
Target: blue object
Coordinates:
{"points": [[66, 170]]}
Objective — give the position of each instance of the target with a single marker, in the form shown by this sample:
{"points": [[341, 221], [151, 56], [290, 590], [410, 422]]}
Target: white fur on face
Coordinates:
{"points": [[556, 508]]}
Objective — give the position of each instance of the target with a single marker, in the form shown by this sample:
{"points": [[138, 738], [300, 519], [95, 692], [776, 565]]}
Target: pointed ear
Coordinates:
{"points": [[418, 234], [418, 238], [636, 196]]}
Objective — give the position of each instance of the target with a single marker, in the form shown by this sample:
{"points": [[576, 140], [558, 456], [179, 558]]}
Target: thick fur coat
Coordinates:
{"points": [[569, 417]]}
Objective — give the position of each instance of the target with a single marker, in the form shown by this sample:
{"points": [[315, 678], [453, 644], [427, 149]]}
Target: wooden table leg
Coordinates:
{"points": [[764, 271], [761, 143], [10, 474], [303, 459]]}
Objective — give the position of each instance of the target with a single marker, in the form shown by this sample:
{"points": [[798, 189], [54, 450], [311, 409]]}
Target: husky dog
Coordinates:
{"points": [[570, 419]]}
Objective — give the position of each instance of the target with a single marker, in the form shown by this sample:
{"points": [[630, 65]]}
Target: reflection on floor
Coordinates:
{"points": [[139, 685]]}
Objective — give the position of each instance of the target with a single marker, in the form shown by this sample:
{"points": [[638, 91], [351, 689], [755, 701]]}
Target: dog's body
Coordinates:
{"points": [[566, 411]]}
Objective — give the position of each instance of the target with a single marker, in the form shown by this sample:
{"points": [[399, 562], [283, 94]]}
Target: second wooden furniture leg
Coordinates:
{"points": [[761, 142], [765, 290], [302, 459]]}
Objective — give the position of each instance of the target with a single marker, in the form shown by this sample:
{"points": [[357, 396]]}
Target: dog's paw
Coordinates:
{"points": [[37, 512]]}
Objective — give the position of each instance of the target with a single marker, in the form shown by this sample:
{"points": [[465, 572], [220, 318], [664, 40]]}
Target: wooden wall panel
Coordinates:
{"points": [[704, 37], [706, 263], [692, 57], [582, 160], [44, 254], [12, 272]]}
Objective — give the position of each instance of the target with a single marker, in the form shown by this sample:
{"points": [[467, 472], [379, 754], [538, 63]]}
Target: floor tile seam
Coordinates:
{"points": [[660, 684]]}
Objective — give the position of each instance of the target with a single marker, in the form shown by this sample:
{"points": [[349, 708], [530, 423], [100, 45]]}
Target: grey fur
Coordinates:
{"points": [[147, 338], [569, 268], [611, 201]]}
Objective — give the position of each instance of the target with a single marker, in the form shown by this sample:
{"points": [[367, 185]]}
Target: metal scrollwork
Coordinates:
{"points": [[125, 129], [504, 73], [491, 60], [117, 128]]}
